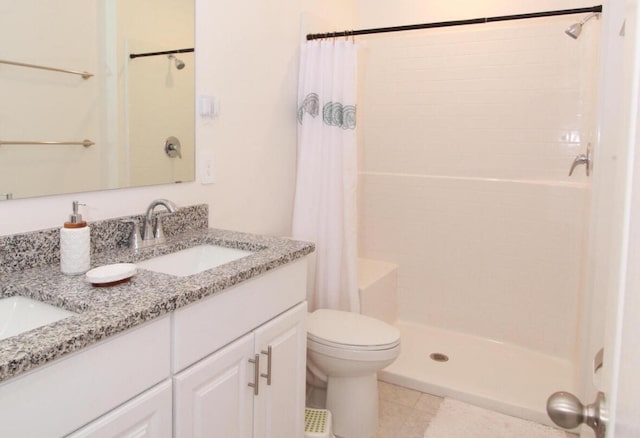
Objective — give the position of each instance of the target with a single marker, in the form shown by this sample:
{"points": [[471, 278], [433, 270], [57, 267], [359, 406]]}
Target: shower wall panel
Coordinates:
{"points": [[466, 139]]}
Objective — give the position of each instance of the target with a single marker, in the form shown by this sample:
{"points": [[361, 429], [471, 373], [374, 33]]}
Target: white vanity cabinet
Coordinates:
{"points": [[185, 374], [279, 405], [146, 416], [213, 397], [58, 398]]}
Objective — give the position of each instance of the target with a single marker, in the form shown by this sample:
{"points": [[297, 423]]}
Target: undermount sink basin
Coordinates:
{"points": [[193, 260], [20, 314]]}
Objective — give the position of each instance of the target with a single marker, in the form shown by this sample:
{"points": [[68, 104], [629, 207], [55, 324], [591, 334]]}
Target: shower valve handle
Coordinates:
{"points": [[582, 159], [172, 147]]}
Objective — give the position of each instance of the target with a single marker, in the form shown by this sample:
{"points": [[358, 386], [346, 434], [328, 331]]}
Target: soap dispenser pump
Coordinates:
{"points": [[75, 243]]}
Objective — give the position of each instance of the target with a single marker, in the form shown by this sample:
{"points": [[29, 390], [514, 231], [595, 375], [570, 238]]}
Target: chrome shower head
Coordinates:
{"points": [[179, 64], [574, 30]]}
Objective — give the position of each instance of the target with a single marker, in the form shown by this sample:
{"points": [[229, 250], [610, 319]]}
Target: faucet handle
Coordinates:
{"points": [[135, 238]]}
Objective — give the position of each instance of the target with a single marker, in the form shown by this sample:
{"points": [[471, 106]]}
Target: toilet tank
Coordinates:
{"points": [[378, 289]]}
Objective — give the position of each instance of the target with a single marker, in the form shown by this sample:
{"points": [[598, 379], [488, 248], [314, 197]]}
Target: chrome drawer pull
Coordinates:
{"points": [[256, 374], [268, 375]]}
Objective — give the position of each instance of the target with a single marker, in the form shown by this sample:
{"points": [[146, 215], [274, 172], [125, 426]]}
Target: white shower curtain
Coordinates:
{"points": [[325, 202]]}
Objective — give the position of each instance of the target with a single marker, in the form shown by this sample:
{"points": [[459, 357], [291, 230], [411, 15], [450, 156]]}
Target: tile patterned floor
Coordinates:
{"points": [[406, 413]]}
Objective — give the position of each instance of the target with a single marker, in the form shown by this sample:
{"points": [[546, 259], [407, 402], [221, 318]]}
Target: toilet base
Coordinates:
{"points": [[316, 398], [353, 401]]}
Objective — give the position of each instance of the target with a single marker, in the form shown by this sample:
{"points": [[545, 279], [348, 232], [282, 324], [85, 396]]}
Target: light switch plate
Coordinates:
{"points": [[207, 175]]}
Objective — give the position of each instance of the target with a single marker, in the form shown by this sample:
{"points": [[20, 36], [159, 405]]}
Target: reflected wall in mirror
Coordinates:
{"points": [[128, 108]]}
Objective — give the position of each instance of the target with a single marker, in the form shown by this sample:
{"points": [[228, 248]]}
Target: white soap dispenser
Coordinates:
{"points": [[75, 258]]}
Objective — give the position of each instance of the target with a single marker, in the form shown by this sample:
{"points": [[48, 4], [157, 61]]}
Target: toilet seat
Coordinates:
{"points": [[335, 329], [343, 352], [326, 343]]}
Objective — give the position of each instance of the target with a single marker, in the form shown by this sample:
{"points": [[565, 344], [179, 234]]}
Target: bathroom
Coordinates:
{"points": [[249, 152]]}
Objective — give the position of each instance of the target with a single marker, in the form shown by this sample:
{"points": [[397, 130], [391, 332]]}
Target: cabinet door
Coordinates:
{"points": [[279, 406], [212, 398], [146, 416]]}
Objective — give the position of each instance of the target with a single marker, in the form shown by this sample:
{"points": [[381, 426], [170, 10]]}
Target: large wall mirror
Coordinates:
{"points": [[140, 93]]}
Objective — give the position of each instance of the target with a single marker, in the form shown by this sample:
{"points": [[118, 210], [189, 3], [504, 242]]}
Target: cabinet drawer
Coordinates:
{"points": [[209, 324]]}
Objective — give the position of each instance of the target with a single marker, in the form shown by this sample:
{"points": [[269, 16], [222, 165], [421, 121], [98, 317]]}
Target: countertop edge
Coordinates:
{"points": [[105, 313]]}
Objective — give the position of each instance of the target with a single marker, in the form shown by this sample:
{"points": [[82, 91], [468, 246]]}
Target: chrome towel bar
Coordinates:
{"points": [[85, 143], [84, 74]]}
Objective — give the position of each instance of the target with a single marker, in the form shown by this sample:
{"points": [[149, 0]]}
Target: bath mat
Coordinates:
{"points": [[461, 420]]}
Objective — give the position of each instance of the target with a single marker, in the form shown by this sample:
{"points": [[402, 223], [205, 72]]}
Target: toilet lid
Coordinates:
{"points": [[353, 329]]}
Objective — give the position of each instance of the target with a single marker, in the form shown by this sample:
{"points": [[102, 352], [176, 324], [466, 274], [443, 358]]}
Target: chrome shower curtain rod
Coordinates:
{"points": [[166, 52], [349, 33]]}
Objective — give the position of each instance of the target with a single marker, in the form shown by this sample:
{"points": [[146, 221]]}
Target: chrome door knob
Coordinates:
{"points": [[566, 410]]}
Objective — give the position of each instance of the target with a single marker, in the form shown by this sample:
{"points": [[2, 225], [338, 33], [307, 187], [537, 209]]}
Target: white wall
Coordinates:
{"points": [[251, 64], [466, 139], [248, 56]]}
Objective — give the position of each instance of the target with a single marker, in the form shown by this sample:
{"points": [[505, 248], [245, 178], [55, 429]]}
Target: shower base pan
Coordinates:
{"points": [[493, 375]]}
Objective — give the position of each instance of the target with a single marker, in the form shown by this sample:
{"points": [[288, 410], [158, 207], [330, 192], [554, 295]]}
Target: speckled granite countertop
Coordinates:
{"points": [[105, 311]]}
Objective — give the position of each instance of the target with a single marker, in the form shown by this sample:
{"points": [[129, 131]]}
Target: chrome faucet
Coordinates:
{"points": [[153, 234]]}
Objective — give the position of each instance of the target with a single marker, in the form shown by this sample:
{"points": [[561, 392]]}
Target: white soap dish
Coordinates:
{"points": [[110, 275]]}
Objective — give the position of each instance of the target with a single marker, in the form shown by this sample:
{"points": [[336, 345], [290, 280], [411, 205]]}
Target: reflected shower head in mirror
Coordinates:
{"points": [[574, 30], [179, 64]]}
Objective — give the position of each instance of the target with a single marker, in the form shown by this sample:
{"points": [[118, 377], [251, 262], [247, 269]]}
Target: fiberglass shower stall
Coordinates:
{"points": [[466, 138]]}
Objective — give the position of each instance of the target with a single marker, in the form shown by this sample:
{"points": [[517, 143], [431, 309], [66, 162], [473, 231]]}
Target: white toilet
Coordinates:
{"points": [[346, 350]]}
